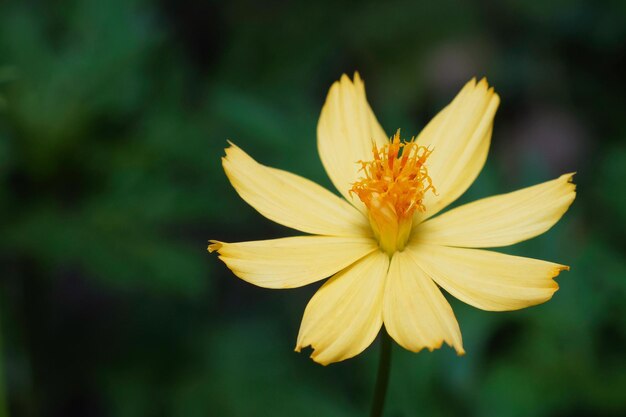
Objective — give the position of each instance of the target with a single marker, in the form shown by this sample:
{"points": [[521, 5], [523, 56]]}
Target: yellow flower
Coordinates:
{"points": [[385, 251]]}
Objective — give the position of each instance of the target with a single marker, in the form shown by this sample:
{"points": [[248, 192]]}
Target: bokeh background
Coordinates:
{"points": [[113, 118]]}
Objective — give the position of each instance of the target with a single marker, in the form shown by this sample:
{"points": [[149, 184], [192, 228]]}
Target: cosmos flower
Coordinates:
{"points": [[381, 244]]}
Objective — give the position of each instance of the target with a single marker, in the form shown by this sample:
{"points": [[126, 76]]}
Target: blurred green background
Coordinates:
{"points": [[113, 118]]}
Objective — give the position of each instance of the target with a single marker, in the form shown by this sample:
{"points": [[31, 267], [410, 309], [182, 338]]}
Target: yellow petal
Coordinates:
{"points": [[294, 261], [488, 280], [346, 131], [345, 314], [459, 137], [291, 200], [501, 220], [415, 312]]}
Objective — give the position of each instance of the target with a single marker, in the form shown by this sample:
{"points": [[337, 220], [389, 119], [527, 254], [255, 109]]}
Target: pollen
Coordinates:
{"points": [[392, 188]]}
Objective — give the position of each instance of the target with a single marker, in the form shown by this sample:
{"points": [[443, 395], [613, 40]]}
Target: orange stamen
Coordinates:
{"points": [[392, 188]]}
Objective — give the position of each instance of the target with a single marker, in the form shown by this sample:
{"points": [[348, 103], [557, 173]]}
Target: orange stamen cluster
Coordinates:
{"points": [[396, 177], [393, 187]]}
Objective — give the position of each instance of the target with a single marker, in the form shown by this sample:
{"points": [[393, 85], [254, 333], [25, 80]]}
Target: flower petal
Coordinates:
{"points": [[415, 312], [459, 137], [291, 200], [346, 131], [488, 280], [345, 314], [501, 220], [293, 261]]}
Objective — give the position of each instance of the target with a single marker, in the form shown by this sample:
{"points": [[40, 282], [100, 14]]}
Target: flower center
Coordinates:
{"points": [[392, 188]]}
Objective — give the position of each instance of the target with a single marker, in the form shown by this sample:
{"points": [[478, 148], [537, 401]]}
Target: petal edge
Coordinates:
{"points": [[459, 136], [503, 219], [346, 130], [489, 280], [415, 312], [293, 261], [345, 314], [291, 200]]}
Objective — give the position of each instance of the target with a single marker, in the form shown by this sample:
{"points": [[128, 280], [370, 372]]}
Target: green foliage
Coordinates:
{"points": [[113, 119]]}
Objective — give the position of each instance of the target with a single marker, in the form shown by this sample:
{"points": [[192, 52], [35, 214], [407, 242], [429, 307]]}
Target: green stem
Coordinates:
{"points": [[4, 409], [382, 380]]}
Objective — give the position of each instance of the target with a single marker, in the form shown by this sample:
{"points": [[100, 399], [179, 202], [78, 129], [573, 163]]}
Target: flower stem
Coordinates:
{"points": [[382, 380], [4, 408]]}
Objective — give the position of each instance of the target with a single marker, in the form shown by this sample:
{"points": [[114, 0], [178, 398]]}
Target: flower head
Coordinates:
{"points": [[386, 253]]}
